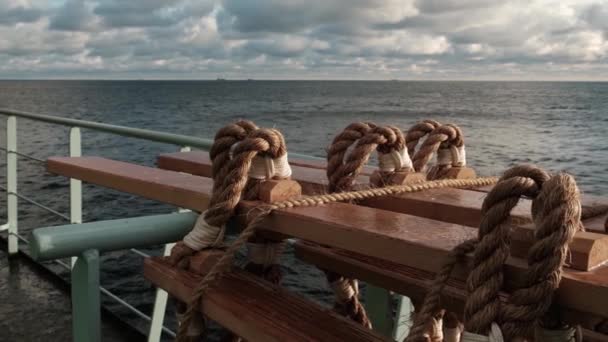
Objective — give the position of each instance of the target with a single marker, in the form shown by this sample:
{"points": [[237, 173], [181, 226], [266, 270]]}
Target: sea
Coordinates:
{"points": [[560, 126]]}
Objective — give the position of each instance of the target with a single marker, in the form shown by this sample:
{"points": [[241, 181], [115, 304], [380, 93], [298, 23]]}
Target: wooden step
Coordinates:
{"points": [[404, 239], [412, 282], [256, 310]]}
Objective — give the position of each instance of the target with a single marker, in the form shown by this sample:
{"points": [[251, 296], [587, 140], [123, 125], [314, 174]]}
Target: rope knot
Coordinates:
{"points": [[417, 132]]}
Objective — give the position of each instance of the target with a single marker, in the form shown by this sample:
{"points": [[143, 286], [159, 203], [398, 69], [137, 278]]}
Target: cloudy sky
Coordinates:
{"points": [[305, 39]]}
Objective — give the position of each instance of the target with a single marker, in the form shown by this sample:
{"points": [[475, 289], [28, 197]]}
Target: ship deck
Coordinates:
{"points": [[36, 305]]}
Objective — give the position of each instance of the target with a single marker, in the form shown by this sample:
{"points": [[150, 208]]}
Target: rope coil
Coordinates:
{"points": [[556, 211]]}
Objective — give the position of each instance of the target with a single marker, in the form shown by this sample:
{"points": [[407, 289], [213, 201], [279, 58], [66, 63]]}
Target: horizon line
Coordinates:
{"points": [[299, 80]]}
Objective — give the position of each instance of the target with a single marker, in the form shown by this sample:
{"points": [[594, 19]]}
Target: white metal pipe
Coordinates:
{"points": [[11, 184], [160, 300], [75, 184]]}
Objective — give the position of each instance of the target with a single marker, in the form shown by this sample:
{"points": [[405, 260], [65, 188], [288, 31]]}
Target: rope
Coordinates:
{"points": [[225, 139], [448, 142], [431, 304], [390, 144], [417, 132], [266, 143], [260, 213], [556, 212], [336, 167], [486, 277]]}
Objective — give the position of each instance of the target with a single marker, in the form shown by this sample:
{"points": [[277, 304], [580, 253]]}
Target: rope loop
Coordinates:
{"points": [[445, 140], [415, 134], [556, 212], [363, 139], [230, 181]]}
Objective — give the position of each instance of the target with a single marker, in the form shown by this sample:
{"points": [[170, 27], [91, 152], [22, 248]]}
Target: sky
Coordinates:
{"points": [[305, 39]]}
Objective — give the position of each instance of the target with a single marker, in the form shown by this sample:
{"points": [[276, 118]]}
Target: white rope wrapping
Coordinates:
{"points": [[267, 168], [452, 334], [203, 235], [395, 160], [495, 336], [196, 327], [436, 333], [561, 335], [453, 155], [344, 289], [265, 254]]}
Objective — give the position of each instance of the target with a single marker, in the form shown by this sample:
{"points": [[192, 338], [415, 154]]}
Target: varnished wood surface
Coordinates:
{"points": [[257, 310], [457, 206], [403, 239], [415, 283], [311, 177], [175, 188]]}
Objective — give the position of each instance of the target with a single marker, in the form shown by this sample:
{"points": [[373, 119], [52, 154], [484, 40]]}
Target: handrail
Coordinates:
{"points": [[164, 137], [73, 239]]}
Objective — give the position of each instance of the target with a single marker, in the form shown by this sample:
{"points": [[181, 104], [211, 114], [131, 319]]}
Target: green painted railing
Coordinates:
{"points": [[146, 134], [86, 241]]}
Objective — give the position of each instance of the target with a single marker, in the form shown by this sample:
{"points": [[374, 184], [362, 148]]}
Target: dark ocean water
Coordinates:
{"points": [[559, 126]]}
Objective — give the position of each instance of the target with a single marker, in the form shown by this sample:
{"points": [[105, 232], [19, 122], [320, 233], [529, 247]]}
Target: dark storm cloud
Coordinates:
{"points": [[304, 38]]}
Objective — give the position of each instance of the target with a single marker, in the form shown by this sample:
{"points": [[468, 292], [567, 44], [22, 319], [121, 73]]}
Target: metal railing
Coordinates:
{"points": [[83, 267], [75, 217]]}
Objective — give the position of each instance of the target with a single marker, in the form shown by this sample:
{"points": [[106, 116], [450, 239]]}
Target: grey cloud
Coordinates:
{"points": [[20, 14], [304, 38], [442, 6], [74, 15], [147, 13]]}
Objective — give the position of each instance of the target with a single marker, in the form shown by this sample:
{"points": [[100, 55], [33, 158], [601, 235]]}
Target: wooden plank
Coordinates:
{"points": [[458, 206], [183, 190], [597, 224], [192, 158], [312, 179], [256, 310], [412, 282], [408, 240]]}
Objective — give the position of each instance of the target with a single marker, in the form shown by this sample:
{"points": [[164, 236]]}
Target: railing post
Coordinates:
{"points": [[86, 317], [75, 184], [11, 185], [378, 304], [160, 300], [401, 327]]}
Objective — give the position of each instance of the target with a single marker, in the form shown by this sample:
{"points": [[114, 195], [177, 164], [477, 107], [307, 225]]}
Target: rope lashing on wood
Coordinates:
{"points": [[448, 143], [556, 212], [432, 301], [205, 235], [363, 139], [417, 132], [258, 215], [339, 173], [452, 328], [261, 143], [486, 278]]}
